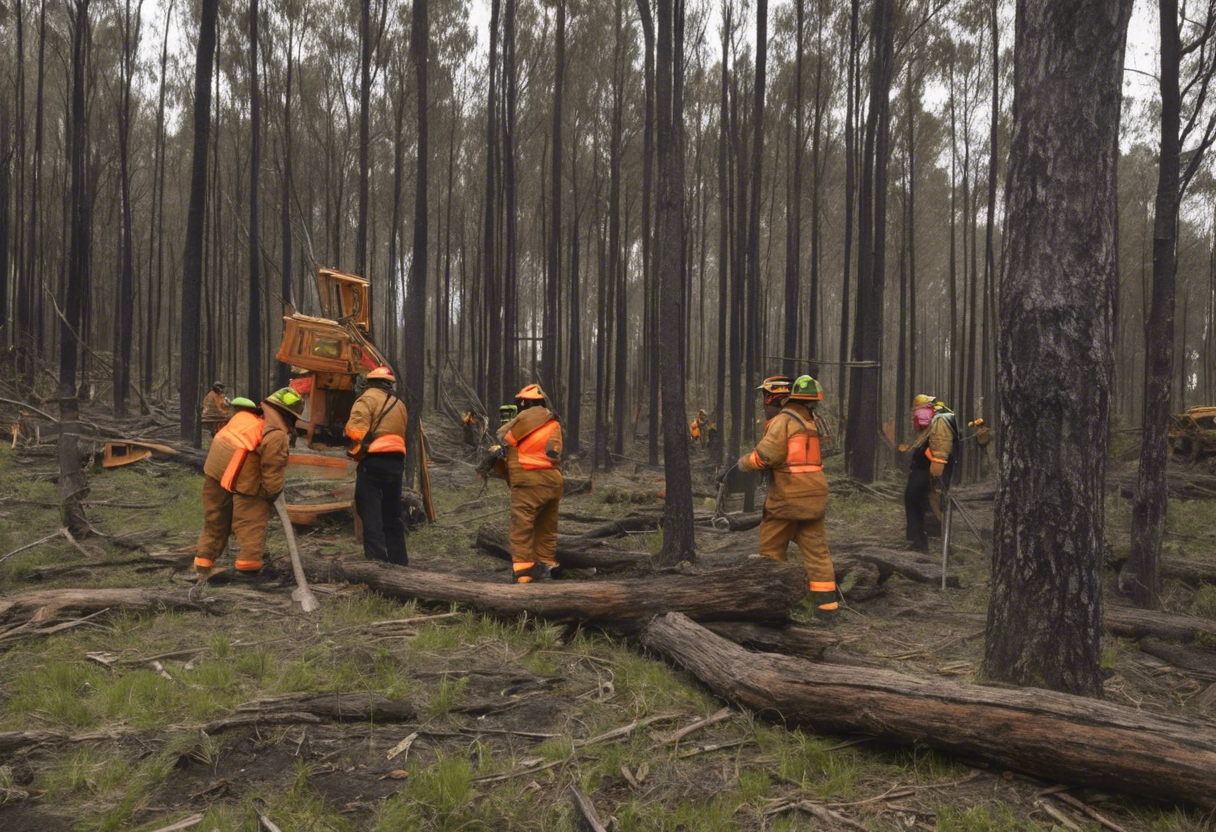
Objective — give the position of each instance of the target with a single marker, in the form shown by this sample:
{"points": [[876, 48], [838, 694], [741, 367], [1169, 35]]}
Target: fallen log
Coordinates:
{"points": [[632, 522], [278, 710], [1135, 624], [1053, 736], [1130, 622], [572, 550], [1198, 663], [793, 640], [762, 591], [920, 568], [42, 605]]}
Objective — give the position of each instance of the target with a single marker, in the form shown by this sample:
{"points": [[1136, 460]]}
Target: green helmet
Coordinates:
{"points": [[806, 389], [287, 401], [241, 401], [507, 412]]}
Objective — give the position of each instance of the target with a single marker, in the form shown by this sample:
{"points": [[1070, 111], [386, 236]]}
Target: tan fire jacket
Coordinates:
{"points": [[365, 410], [940, 441], [514, 436], [792, 496], [264, 469], [215, 408]]}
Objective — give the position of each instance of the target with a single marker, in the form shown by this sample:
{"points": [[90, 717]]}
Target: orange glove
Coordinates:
{"points": [[936, 469]]}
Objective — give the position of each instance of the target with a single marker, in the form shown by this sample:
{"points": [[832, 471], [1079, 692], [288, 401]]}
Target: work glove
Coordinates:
{"points": [[937, 469]]}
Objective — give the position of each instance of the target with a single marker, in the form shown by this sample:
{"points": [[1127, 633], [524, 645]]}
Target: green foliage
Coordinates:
{"points": [[986, 817], [439, 797], [450, 693], [1204, 604]]}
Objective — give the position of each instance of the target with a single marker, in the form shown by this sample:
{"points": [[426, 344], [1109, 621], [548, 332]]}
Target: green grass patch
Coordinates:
{"points": [[439, 797], [986, 817]]}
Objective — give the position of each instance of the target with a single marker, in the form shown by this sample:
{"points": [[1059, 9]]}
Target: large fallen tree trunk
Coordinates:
{"points": [[764, 591], [573, 551], [1053, 736], [807, 642], [920, 568]]}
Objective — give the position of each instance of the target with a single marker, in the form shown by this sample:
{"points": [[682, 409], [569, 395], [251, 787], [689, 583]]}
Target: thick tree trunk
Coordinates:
{"points": [[287, 268], [125, 297], [764, 591], [852, 107], [1057, 311], [493, 390], [192, 266], [365, 97], [719, 416], [1053, 736]]}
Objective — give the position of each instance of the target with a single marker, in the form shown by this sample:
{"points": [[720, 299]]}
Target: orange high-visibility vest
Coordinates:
{"points": [[390, 443], [245, 432], [802, 454], [531, 448]]}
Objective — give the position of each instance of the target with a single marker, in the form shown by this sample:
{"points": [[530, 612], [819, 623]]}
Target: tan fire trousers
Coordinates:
{"points": [[225, 514], [534, 523], [776, 534]]}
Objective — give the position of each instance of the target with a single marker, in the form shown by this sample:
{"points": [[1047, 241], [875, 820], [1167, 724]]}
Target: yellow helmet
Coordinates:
{"points": [[922, 400]]}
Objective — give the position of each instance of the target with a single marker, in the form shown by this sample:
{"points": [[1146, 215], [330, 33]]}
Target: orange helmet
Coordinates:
{"points": [[382, 374], [531, 393]]}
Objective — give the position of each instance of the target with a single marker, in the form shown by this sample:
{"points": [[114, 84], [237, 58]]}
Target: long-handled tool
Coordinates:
{"points": [[720, 521], [302, 595], [946, 536]]}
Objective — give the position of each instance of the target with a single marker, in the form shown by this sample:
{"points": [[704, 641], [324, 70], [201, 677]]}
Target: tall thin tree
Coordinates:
{"points": [[192, 262]]}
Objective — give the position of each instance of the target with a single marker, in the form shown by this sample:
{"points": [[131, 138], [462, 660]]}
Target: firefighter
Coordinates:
{"points": [[775, 389], [797, 498], [932, 463], [697, 428], [532, 447], [216, 410], [243, 475], [376, 428]]}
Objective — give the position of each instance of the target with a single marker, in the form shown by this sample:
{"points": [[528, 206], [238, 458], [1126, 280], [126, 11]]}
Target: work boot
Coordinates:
{"points": [[531, 574], [557, 572], [204, 574]]}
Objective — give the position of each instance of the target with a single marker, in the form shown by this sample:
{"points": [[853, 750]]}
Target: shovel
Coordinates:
{"points": [[302, 595]]}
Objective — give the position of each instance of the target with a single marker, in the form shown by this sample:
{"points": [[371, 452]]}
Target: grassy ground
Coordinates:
{"points": [[504, 705]]}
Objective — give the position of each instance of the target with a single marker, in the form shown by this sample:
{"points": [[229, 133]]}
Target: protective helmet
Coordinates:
{"points": [[382, 374], [923, 401], [806, 389], [241, 401], [218, 387], [286, 401], [531, 393], [776, 384], [507, 412]]}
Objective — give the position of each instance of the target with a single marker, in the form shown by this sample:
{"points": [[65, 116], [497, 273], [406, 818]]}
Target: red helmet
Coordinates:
{"points": [[531, 393], [381, 374]]}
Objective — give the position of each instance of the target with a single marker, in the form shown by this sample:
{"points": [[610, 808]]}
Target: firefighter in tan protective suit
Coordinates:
{"points": [[931, 466], [377, 426], [216, 409], [244, 472], [532, 448], [797, 498]]}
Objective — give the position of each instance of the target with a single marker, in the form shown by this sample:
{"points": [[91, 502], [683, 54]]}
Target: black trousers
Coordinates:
{"points": [[916, 506], [378, 501]]}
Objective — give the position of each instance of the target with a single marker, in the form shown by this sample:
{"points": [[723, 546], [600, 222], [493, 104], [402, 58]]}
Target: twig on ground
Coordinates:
{"points": [[39, 542], [624, 730], [1058, 816], [713, 746], [184, 823], [1081, 806], [587, 809], [676, 736], [403, 747]]}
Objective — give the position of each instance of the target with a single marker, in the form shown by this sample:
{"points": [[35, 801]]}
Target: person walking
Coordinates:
{"points": [[932, 464], [532, 447], [376, 428], [216, 410], [797, 499]]}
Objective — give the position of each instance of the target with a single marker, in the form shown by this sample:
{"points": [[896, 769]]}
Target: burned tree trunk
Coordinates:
{"points": [[192, 265], [678, 539], [1057, 311], [1053, 736], [415, 298]]}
